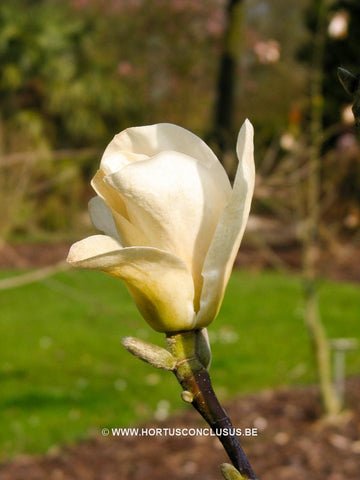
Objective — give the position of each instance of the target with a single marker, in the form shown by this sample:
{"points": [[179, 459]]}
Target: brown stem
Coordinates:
{"points": [[207, 404], [192, 375]]}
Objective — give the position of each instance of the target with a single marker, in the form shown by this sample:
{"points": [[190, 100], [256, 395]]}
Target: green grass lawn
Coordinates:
{"points": [[64, 373]]}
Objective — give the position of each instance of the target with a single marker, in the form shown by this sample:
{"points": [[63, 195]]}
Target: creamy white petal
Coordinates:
{"points": [[159, 282], [137, 143], [177, 201], [111, 197], [91, 247], [102, 217], [229, 232], [128, 233], [113, 159]]}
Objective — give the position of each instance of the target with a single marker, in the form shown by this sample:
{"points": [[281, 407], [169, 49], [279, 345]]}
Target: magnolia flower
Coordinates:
{"points": [[172, 222]]}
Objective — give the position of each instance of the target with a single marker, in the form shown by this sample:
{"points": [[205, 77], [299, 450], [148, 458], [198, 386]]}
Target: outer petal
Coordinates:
{"points": [[177, 201], [229, 231], [113, 159], [88, 249], [159, 282], [102, 217], [128, 233], [138, 143], [112, 198]]}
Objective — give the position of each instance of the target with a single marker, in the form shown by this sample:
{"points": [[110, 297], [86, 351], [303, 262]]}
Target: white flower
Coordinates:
{"points": [[172, 222]]}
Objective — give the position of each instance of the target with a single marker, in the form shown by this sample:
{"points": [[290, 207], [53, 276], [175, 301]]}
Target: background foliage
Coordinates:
{"points": [[76, 72]]}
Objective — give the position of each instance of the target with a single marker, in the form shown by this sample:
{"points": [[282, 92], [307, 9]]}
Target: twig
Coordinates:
{"points": [[31, 277], [15, 158]]}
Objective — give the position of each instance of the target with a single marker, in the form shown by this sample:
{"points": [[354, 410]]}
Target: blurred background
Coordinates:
{"points": [[74, 73]]}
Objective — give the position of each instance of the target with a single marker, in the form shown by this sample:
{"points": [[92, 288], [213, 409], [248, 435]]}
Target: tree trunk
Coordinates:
{"points": [[225, 98]]}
